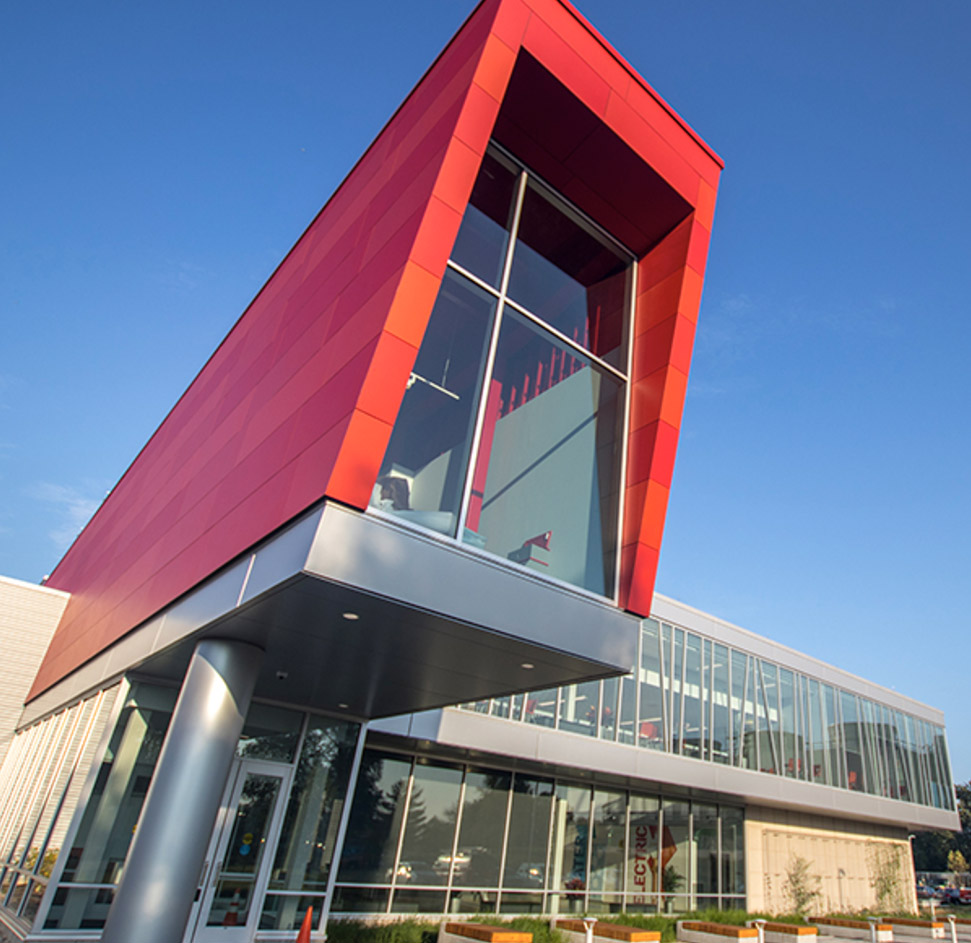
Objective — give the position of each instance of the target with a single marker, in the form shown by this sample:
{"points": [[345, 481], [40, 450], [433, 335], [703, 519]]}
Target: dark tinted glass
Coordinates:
{"points": [[424, 467], [481, 243], [375, 822], [570, 277]]}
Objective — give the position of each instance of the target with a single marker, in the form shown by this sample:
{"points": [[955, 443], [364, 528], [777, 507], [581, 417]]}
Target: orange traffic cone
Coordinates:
{"points": [[304, 935]]}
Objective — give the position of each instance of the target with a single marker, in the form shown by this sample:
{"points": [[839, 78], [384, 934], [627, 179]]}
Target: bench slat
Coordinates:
{"points": [[487, 933], [722, 929], [612, 931]]}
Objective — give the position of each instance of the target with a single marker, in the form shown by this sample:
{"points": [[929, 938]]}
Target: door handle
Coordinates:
{"points": [[203, 873]]}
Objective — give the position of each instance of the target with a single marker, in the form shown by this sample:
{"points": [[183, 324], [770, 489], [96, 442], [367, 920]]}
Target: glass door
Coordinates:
{"points": [[240, 853]]}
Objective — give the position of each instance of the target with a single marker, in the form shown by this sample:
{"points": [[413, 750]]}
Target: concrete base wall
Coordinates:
{"points": [[853, 865]]}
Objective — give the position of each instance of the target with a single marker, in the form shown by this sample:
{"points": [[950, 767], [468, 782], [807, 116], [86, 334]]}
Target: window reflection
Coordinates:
{"points": [[480, 246], [544, 492], [570, 277], [529, 831], [375, 822], [548, 422], [607, 845], [423, 471], [307, 838], [568, 853]]}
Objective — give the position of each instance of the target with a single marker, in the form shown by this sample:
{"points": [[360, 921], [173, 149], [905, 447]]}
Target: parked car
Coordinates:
{"points": [[957, 895]]}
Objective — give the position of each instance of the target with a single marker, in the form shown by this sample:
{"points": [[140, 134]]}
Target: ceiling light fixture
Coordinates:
{"points": [[351, 616]]}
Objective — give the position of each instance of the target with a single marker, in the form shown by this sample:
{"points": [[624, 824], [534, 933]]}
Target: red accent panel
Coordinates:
{"points": [[705, 205], [659, 396], [356, 468], [495, 67], [698, 247], [388, 373], [638, 568], [650, 457], [562, 60]]}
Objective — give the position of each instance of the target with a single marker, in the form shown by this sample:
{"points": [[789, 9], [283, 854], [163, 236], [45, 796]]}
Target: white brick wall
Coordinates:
{"points": [[28, 616]]}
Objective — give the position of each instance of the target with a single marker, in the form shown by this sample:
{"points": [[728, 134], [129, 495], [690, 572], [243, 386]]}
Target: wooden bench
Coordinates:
{"points": [[962, 926], [484, 932], [574, 931], [776, 932], [702, 931], [853, 929], [917, 929]]}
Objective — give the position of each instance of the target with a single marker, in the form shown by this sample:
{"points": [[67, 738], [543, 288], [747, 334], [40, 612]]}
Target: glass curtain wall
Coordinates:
{"points": [[698, 698], [42, 777], [430, 837], [510, 433]]}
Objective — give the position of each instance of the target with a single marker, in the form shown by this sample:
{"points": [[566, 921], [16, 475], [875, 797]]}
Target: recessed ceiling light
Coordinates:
{"points": [[528, 665], [342, 706], [351, 616]]}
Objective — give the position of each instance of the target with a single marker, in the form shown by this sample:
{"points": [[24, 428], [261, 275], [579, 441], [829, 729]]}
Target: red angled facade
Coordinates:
{"points": [[298, 402]]}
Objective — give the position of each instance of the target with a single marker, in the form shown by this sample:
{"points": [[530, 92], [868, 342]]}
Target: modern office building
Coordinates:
{"points": [[369, 624]]}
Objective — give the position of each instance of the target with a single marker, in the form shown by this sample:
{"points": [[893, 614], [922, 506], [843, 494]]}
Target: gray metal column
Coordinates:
{"points": [[154, 899]]}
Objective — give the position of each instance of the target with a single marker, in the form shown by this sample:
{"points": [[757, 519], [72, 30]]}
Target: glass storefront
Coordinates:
{"points": [[465, 839]]}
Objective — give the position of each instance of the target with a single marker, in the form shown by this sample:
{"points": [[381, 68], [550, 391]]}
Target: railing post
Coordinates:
{"points": [[588, 924], [760, 929], [954, 927]]}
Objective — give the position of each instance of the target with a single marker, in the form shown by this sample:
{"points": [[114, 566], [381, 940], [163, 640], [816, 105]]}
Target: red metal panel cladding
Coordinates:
{"points": [[298, 402]]}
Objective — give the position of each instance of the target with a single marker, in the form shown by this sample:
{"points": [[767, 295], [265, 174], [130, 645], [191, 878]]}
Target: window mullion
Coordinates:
{"points": [[572, 344], [490, 361]]}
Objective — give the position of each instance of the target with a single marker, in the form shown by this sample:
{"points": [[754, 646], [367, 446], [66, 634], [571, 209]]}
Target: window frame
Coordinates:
{"points": [[525, 178]]}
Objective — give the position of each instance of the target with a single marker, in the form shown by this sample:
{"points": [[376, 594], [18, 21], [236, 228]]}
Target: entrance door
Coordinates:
{"points": [[240, 853]]}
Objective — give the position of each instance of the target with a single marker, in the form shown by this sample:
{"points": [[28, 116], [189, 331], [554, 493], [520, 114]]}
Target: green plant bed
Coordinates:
{"points": [[401, 931], [538, 926]]}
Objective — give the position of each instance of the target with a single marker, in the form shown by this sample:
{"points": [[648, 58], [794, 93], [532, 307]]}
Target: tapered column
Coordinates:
{"points": [[154, 899]]}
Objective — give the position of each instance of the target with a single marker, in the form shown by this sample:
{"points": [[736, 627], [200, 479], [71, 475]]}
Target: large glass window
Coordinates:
{"points": [[733, 857], [704, 857], [650, 728], [424, 468], [529, 833], [480, 834], [102, 840], [607, 849], [643, 878], [721, 731], [568, 854], [376, 816], [426, 850], [676, 856], [307, 838], [510, 432]]}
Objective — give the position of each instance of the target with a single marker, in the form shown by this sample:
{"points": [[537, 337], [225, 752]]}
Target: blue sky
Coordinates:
{"points": [[159, 160]]}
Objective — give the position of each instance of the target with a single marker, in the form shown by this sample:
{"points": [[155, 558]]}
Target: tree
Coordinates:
{"points": [[931, 849], [801, 886], [957, 863]]}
